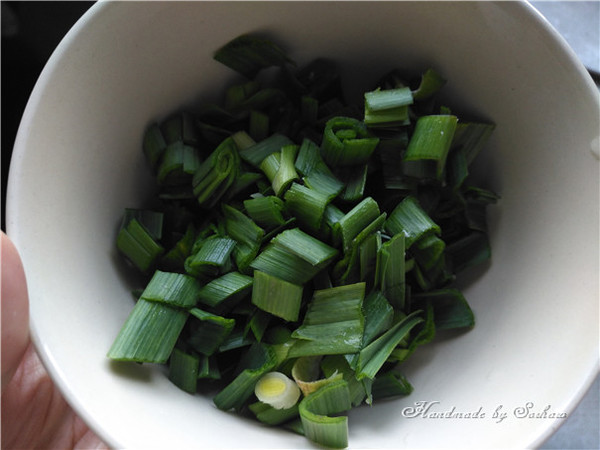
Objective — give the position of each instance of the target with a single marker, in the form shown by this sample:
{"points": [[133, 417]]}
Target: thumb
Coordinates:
{"points": [[15, 310]]}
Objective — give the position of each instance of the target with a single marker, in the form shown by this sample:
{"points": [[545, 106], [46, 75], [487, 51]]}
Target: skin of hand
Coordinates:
{"points": [[34, 413]]}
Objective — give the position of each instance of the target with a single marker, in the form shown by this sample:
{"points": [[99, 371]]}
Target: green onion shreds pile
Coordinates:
{"points": [[299, 248]]}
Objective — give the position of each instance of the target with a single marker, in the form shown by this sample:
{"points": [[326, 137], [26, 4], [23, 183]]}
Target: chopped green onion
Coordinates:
{"points": [[333, 324], [208, 331], [431, 82], [391, 384], [307, 205], [248, 55], [450, 309], [330, 431], [229, 288], [471, 137], [431, 140], [275, 296], [346, 141], [138, 246], [245, 232], [409, 218], [149, 334], [374, 355], [305, 372], [277, 390], [259, 360], [183, 370], [216, 174], [255, 154], [212, 257], [266, 211], [269, 415], [174, 289], [154, 144]]}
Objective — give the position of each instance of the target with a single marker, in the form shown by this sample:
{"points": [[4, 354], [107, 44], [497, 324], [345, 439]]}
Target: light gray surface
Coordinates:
{"points": [[579, 23]]}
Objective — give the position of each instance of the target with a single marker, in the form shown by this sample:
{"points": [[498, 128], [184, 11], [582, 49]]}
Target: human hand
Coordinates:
{"points": [[34, 413]]}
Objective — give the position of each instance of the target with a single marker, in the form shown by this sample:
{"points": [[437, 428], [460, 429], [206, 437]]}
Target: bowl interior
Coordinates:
{"points": [[77, 163]]}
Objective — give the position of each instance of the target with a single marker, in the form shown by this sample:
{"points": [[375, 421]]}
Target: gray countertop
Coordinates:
{"points": [[579, 24]]}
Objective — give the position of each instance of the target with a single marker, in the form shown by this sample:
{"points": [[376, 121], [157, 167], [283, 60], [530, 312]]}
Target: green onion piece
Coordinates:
{"points": [[355, 220], [174, 259], [227, 289], [149, 334], [236, 94], [391, 384], [154, 144], [333, 323], [390, 271], [264, 99], [431, 140], [255, 154], [216, 174], [259, 360], [431, 82], [276, 296], [387, 107], [286, 172], [409, 218], [307, 205], [178, 163], [208, 368], [138, 238], [316, 173], [309, 109], [208, 331], [367, 254], [354, 179], [279, 262], [212, 257], [183, 370], [348, 269], [152, 221], [319, 427], [306, 371], [359, 389], [248, 55], [266, 211], [374, 355], [175, 289], [450, 308], [277, 390], [236, 340], [242, 140], [259, 125], [258, 324], [297, 242], [472, 137], [245, 232], [468, 251], [380, 100], [271, 416], [353, 146], [379, 316], [457, 168], [270, 165], [428, 250]]}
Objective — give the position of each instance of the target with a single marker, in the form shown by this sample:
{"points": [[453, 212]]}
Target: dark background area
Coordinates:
{"points": [[30, 33]]}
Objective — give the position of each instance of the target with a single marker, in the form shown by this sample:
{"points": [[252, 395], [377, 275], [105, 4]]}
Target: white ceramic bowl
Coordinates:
{"points": [[77, 163]]}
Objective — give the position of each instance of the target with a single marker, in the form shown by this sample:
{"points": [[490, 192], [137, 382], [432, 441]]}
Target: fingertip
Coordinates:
{"points": [[15, 309]]}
